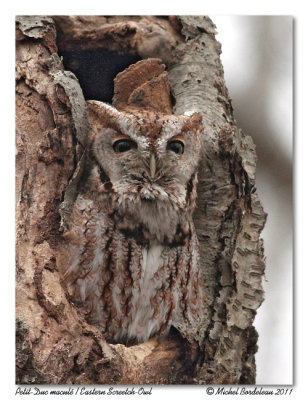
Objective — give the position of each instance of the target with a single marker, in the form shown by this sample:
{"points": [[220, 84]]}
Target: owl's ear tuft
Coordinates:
{"points": [[196, 118], [100, 109], [101, 113], [194, 122], [102, 116]]}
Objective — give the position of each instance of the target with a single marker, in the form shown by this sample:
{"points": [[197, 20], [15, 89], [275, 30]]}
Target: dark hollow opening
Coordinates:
{"points": [[95, 69]]}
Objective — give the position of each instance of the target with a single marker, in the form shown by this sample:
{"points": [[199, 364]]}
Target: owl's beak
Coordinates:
{"points": [[152, 166]]}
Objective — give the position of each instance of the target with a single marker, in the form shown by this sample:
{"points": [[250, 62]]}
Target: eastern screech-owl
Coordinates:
{"points": [[132, 259]]}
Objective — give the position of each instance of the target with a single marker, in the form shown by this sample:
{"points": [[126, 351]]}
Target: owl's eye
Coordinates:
{"points": [[176, 146], [120, 146]]}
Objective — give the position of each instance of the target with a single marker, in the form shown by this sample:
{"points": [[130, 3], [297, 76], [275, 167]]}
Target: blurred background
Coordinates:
{"points": [[257, 59]]}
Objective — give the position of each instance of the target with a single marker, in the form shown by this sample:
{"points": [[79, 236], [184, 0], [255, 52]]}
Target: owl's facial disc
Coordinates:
{"points": [[148, 158], [151, 174]]}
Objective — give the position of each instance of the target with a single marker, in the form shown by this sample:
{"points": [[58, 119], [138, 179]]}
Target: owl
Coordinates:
{"points": [[132, 258]]}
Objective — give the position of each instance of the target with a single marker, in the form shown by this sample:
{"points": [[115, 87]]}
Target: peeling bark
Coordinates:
{"points": [[54, 343]]}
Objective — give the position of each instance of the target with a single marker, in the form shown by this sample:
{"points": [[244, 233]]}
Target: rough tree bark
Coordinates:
{"points": [[54, 344]]}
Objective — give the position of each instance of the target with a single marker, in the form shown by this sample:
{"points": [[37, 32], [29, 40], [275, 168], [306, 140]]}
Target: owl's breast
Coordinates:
{"points": [[130, 291], [143, 304]]}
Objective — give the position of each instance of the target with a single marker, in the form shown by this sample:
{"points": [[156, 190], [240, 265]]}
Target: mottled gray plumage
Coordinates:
{"points": [[132, 251]]}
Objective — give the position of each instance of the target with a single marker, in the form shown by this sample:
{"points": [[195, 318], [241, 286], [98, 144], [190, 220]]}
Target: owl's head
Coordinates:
{"points": [[150, 158]]}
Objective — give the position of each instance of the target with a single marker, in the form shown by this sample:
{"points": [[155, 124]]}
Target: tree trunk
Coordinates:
{"points": [[54, 343]]}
